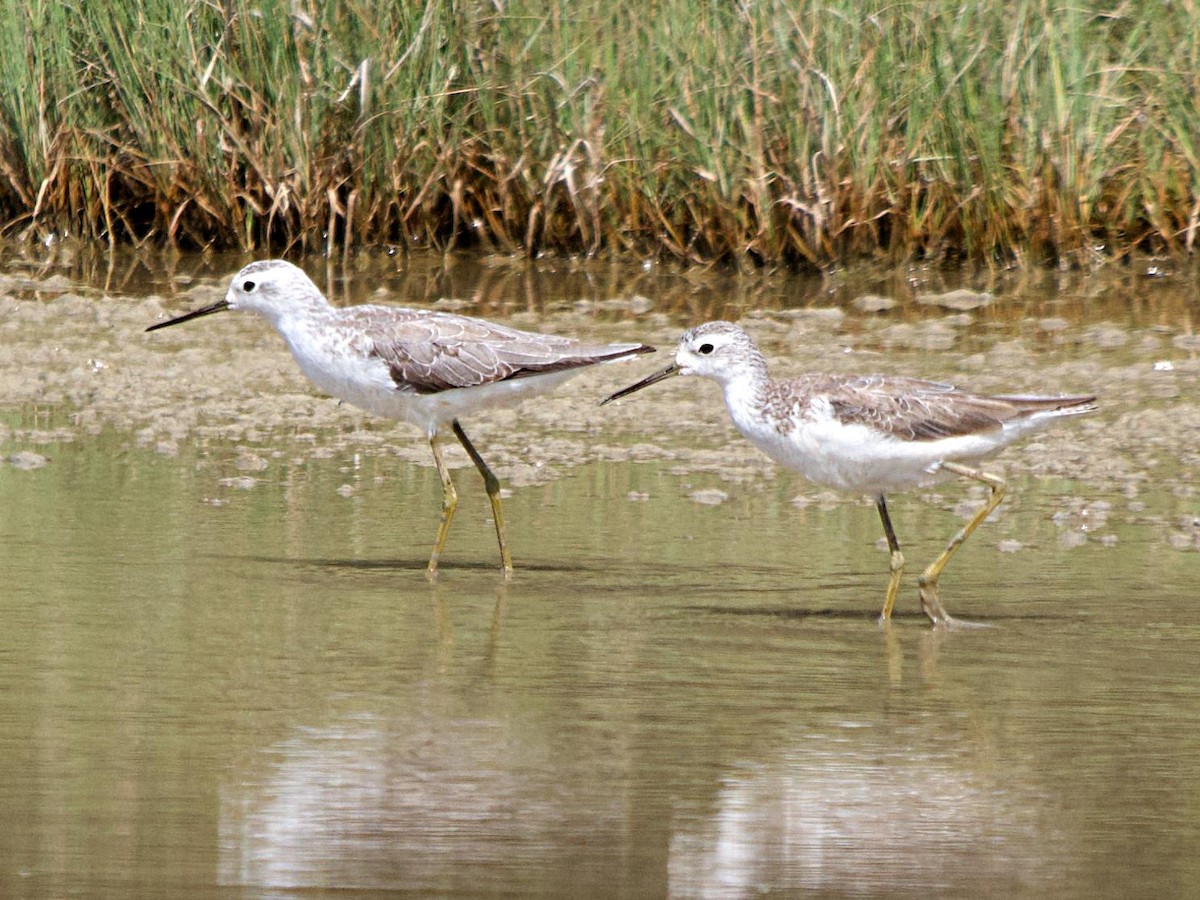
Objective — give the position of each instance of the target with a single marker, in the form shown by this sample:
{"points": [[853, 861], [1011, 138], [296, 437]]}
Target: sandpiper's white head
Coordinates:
{"points": [[717, 350], [273, 288]]}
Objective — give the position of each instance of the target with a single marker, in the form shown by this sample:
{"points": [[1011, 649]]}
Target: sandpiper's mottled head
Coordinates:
{"points": [[717, 350]]}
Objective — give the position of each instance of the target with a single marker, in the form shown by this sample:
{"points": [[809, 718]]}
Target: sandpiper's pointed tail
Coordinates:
{"points": [[579, 358], [1032, 404]]}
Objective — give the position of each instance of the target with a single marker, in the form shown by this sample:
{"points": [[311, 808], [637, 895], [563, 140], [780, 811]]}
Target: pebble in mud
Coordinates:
{"points": [[708, 496], [824, 501], [1052, 324], [874, 303], [26, 460], [250, 462], [959, 300], [1106, 336], [1184, 540], [1188, 342]]}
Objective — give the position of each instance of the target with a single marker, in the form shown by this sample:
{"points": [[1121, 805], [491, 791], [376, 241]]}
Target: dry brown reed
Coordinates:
{"points": [[756, 133]]}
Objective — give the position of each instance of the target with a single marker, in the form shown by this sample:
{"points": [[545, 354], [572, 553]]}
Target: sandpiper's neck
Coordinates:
{"points": [[747, 382], [749, 369], [300, 309]]}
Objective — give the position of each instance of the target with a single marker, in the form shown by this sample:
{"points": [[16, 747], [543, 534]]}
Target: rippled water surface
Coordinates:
{"points": [[223, 673]]}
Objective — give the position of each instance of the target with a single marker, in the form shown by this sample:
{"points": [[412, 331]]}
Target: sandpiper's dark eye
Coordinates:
{"points": [[706, 349], [248, 286]]}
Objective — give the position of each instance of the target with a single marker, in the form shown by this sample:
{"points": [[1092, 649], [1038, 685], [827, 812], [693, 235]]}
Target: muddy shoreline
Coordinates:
{"points": [[79, 358]]}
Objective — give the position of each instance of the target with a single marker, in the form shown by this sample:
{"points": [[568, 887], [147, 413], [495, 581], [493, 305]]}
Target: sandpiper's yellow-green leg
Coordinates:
{"points": [[929, 578], [492, 484], [896, 566], [449, 505]]}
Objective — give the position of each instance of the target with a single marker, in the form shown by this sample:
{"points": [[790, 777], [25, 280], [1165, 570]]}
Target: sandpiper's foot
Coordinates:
{"points": [[932, 607]]}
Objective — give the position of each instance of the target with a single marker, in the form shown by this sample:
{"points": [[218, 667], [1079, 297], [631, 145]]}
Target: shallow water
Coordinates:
{"points": [[207, 687], [222, 672]]}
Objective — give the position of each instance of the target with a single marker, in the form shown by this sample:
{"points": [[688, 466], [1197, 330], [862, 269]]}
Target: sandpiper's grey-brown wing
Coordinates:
{"points": [[917, 410], [428, 352]]}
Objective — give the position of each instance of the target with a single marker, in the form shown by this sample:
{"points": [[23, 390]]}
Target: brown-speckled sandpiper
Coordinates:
{"points": [[423, 367], [871, 434]]}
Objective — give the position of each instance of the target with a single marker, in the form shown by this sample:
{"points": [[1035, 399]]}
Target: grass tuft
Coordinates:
{"points": [[754, 133]]}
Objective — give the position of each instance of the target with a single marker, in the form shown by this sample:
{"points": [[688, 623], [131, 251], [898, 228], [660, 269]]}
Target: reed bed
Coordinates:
{"points": [[757, 132]]}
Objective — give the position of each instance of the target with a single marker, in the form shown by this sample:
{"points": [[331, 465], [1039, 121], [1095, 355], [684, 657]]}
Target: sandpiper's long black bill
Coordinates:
{"points": [[219, 306], [661, 375]]}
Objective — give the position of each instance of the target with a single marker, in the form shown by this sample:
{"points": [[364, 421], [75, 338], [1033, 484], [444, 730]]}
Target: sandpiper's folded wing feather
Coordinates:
{"points": [[917, 410], [438, 352]]}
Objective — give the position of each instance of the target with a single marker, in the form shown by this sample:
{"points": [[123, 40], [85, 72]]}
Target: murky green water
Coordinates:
{"points": [[205, 689], [223, 673]]}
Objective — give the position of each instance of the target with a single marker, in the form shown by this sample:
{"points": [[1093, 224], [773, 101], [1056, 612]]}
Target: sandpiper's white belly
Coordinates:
{"points": [[328, 357], [857, 457]]}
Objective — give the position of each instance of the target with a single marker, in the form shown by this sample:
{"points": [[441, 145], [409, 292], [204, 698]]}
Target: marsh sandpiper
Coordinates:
{"points": [[870, 434], [423, 367]]}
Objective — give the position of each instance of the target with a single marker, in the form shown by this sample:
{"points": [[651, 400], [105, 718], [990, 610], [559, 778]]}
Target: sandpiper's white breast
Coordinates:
{"points": [[326, 353]]}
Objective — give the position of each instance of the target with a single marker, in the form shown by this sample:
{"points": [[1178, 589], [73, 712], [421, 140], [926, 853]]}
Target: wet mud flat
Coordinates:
{"points": [[77, 361]]}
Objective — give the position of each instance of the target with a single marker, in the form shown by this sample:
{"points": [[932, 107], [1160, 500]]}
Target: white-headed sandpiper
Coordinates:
{"points": [[871, 434], [423, 367]]}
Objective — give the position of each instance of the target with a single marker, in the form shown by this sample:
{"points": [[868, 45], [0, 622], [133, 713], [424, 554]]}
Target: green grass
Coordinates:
{"points": [[756, 133]]}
